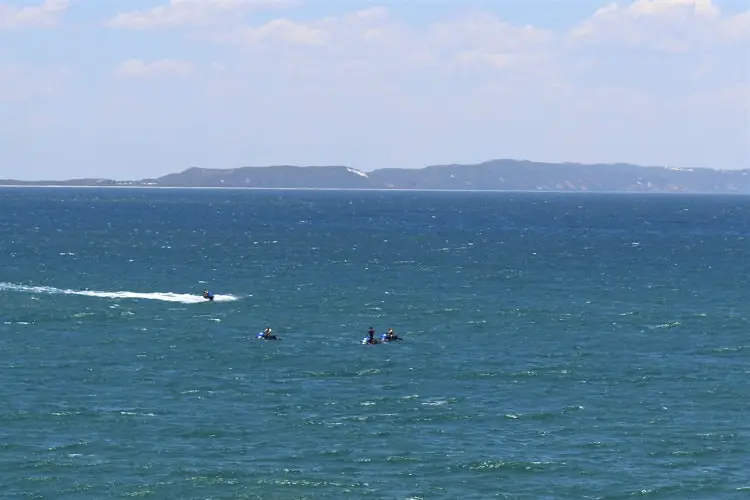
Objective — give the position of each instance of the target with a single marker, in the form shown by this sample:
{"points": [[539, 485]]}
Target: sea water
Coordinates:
{"points": [[556, 346]]}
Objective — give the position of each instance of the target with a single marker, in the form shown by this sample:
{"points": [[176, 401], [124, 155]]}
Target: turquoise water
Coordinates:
{"points": [[557, 346]]}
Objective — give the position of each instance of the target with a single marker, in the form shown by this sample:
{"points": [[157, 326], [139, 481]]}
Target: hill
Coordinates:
{"points": [[494, 175]]}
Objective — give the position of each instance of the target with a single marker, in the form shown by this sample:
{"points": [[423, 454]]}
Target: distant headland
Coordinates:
{"points": [[493, 175]]}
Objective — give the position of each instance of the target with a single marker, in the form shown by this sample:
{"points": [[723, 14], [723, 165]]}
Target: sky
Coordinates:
{"points": [[127, 89]]}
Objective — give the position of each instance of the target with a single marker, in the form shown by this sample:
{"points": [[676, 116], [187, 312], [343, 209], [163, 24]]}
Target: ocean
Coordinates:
{"points": [[555, 346]]}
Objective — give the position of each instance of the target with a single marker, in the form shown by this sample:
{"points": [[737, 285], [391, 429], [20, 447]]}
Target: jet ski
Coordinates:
{"points": [[389, 336], [266, 334], [384, 338], [208, 295]]}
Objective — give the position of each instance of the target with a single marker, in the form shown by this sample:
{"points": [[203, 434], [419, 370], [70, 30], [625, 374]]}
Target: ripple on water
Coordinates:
{"points": [[551, 358]]}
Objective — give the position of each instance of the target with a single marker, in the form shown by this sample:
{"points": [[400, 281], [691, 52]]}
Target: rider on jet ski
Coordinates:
{"points": [[267, 334]]}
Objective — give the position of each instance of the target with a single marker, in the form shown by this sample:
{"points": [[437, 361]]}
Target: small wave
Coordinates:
{"points": [[184, 298]]}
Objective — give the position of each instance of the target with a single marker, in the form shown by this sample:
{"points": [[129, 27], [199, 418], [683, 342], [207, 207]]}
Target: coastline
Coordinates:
{"points": [[492, 176], [390, 190]]}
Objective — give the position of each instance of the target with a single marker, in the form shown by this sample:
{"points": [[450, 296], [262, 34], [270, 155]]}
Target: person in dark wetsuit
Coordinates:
{"points": [[371, 336]]}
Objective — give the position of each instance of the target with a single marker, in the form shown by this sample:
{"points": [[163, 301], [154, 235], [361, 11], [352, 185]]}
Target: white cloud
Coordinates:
{"points": [[665, 25], [486, 32], [139, 68], [329, 32], [44, 14], [487, 41], [373, 41], [188, 13], [459, 59]]}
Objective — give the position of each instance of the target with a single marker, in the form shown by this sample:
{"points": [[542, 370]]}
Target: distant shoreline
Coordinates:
{"points": [[493, 176], [389, 190]]}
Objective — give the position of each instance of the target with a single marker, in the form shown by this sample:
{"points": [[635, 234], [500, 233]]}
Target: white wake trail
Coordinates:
{"points": [[183, 298]]}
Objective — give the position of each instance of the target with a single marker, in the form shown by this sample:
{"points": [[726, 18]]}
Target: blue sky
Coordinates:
{"points": [[138, 88]]}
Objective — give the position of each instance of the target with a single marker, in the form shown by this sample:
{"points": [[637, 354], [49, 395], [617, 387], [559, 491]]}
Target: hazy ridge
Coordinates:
{"points": [[493, 175]]}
